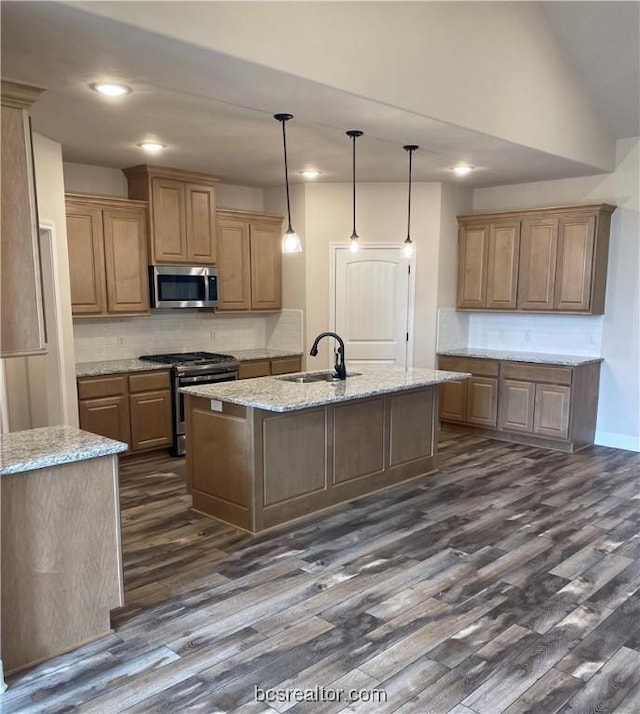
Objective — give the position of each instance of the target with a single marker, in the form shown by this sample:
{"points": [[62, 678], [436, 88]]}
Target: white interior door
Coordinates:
{"points": [[372, 304]]}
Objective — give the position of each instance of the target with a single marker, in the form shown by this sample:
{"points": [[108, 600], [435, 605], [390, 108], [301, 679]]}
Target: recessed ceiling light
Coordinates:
{"points": [[110, 90], [311, 173], [462, 169], [152, 147]]}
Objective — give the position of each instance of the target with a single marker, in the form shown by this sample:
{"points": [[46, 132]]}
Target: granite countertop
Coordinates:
{"points": [[262, 353], [516, 356], [51, 446], [115, 366], [274, 394]]}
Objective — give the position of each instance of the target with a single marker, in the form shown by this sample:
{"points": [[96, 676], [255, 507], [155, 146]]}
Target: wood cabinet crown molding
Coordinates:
{"points": [[511, 214], [248, 215], [151, 171], [18, 95], [87, 199]]}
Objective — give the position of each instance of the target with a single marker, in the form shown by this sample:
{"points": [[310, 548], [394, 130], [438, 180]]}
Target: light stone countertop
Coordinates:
{"points": [[33, 449], [261, 353], [277, 395], [516, 356], [116, 366]]}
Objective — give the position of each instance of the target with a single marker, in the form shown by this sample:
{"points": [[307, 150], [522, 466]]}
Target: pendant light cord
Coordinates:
{"points": [[409, 207], [286, 173], [354, 185]]}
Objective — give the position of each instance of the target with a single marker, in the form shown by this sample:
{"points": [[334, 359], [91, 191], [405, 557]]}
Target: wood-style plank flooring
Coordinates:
{"points": [[507, 582]]}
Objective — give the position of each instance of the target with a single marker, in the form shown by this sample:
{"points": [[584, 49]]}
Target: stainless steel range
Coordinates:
{"points": [[189, 368]]}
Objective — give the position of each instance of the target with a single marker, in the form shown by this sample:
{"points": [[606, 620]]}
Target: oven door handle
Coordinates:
{"points": [[208, 378]]}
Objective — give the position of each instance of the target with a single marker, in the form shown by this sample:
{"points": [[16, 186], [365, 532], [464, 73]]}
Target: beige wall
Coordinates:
{"points": [[381, 218], [619, 404]]}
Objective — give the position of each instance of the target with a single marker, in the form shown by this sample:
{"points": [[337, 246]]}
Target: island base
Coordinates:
{"points": [[256, 469]]}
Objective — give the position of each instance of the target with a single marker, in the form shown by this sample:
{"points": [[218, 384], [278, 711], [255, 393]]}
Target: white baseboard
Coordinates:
{"points": [[618, 441]]}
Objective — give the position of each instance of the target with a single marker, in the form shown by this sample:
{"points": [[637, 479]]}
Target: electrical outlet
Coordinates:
{"points": [[212, 334]]}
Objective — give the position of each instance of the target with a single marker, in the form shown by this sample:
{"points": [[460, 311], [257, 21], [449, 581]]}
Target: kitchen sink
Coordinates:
{"points": [[309, 377]]}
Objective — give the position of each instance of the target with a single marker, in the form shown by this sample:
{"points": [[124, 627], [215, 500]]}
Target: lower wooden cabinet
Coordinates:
{"points": [[265, 367], [134, 408], [473, 400], [546, 405]]}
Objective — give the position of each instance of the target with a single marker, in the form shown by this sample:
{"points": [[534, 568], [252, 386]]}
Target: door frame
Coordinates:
{"points": [[334, 247]]}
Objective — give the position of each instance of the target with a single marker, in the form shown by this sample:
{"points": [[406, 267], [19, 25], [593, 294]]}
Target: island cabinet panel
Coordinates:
{"points": [[294, 459], [219, 471], [536, 260], [358, 440], [411, 427], [257, 469]]}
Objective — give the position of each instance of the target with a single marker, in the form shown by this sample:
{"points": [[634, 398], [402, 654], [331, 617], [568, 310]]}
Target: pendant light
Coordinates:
{"points": [[291, 242], [408, 243], [354, 243]]}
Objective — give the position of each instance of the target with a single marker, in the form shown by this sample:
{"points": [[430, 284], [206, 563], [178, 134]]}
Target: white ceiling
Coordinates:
{"points": [[215, 112]]}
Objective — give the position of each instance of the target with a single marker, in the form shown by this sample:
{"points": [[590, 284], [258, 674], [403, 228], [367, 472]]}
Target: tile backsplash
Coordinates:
{"points": [[560, 334], [184, 330]]}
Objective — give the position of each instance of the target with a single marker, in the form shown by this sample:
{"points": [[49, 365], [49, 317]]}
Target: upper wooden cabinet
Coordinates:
{"points": [[543, 260], [182, 211], [22, 327], [107, 256], [249, 261]]}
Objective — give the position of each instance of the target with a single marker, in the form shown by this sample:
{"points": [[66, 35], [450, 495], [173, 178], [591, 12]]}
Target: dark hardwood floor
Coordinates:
{"points": [[507, 582]]}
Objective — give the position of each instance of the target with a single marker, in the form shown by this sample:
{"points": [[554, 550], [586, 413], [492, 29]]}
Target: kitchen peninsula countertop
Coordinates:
{"points": [[516, 356], [117, 366], [278, 395], [41, 448]]}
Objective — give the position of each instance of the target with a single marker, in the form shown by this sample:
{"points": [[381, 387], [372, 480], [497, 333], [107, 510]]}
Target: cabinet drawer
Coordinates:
{"points": [[93, 387], [536, 373], [257, 368], [148, 381], [286, 365], [475, 365]]}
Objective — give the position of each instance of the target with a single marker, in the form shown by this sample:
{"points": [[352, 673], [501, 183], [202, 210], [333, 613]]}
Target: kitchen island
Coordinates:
{"points": [[262, 452]]}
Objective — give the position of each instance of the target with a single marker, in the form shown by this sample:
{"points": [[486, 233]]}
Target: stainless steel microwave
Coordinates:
{"points": [[183, 285]]}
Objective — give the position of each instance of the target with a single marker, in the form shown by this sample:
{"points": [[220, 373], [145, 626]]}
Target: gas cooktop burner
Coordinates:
{"points": [[178, 358]]}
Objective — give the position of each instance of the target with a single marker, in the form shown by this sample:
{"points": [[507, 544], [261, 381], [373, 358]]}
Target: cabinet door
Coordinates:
{"points": [[168, 221], [86, 260], [254, 368], [125, 250], [516, 405], [453, 401], [151, 425], [233, 265], [472, 266], [108, 417], [575, 261], [482, 401], [201, 223], [537, 274], [551, 417], [22, 328], [286, 365], [502, 265], [266, 267]]}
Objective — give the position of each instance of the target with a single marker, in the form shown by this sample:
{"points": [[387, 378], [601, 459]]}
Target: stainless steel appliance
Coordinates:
{"points": [[188, 369], [183, 286]]}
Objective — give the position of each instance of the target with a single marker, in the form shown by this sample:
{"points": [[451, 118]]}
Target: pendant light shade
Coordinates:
{"points": [[354, 241], [407, 248], [291, 242]]}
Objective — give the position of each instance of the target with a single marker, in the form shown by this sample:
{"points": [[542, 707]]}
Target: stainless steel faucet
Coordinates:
{"points": [[340, 367]]}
